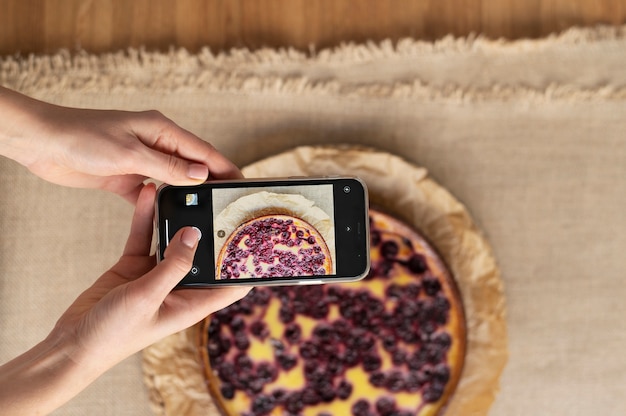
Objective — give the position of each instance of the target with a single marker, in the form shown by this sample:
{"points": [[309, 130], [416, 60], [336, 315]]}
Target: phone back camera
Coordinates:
{"points": [[346, 189]]}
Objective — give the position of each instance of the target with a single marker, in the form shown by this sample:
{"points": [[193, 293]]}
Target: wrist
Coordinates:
{"points": [[45, 377]]}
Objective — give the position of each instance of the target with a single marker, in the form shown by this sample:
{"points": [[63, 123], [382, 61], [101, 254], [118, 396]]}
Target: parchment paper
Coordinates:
{"points": [[172, 367]]}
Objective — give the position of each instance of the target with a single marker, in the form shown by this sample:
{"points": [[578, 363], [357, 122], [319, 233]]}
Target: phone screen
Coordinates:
{"points": [[273, 232], [280, 231]]}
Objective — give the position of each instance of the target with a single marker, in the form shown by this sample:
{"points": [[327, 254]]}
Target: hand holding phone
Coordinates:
{"points": [[278, 231]]}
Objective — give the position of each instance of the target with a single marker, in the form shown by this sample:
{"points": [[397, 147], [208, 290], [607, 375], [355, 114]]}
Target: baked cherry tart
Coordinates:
{"points": [[274, 245], [391, 344]]}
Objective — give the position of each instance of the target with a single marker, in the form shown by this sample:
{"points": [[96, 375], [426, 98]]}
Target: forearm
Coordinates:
{"points": [[44, 378]]}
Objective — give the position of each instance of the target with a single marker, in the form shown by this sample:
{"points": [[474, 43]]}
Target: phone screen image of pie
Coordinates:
{"points": [[278, 231]]}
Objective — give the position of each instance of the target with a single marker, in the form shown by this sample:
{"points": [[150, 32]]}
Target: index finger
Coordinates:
{"points": [[160, 133]]}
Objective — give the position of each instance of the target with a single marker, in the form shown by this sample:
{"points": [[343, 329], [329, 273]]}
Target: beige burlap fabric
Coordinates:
{"points": [[529, 135]]}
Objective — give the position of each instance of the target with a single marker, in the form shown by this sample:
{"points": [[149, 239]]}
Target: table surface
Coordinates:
{"points": [[44, 26]]}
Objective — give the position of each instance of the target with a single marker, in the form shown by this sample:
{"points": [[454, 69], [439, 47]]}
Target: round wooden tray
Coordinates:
{"points": [[173, 368]]}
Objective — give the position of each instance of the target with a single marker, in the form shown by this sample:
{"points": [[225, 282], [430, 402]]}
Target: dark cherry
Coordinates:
{"points": [[412, 290], [320, 310], [434, 353], [293, 403], [310, 397], [279, 395], [245, 306], [262, 405], [335, 364], [215, 350], [327, 393], [214, 326], [225, 316], [226, 371], [371, 362], [442, 304], [243, 362], [441, 373], [241, 341], [255, 386], [431, 285], [341, 327], [259, 329], [394, 291], [385, 406], [443, 339], [344, 390], [308, 350], [377, 379], [286, 361], [286, 314], [416, 360], [292, 333], [324, 332], [417, 264], [259, 296], [413, 382], [384, 268], [407, 334], [409, 308], [227, 390], [398, 357], [395, 381], [365, 342], [389, 249], [432, 392], [374, 238], [267, 372], [351, 358], [361, 408], [389, 343]]}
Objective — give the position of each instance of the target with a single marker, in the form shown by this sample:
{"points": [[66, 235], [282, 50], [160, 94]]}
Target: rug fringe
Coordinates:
{"points": [[136, 70]]}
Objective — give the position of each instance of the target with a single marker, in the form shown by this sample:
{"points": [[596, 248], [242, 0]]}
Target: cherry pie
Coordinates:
{"points": [[391, 344], [274, 245]]}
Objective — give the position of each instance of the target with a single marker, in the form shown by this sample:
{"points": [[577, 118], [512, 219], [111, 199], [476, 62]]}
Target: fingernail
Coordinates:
{"points": [[191, 236], [198, 171]]}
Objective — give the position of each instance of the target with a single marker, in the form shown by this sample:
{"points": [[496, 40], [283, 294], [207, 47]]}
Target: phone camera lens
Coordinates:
{"points": [[195, 270], [346, 189]]}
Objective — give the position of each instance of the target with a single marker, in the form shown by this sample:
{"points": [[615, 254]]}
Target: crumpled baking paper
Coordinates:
{"points": [[173, 368]]}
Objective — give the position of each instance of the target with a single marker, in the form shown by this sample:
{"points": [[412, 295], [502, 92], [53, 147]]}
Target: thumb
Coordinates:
{"points": [[177, 261], [172, 169]]}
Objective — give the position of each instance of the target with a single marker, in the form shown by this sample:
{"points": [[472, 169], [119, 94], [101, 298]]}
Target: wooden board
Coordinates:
{"points": [[44, 26]]}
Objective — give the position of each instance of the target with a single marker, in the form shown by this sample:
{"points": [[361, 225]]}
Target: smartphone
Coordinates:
{"points": [[277, 231]]}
